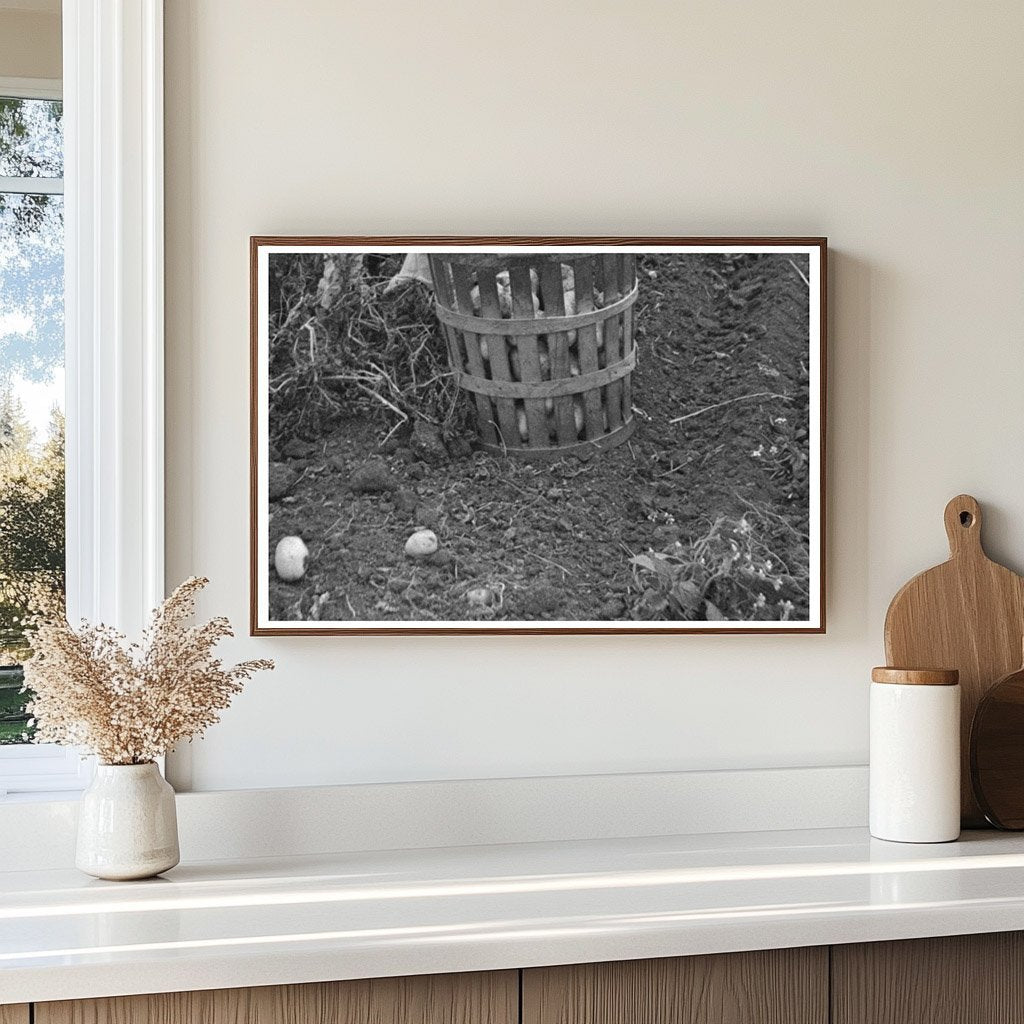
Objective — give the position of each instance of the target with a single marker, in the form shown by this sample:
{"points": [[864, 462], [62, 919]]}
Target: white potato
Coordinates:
{"points": [[290, 558], [421, 544]]}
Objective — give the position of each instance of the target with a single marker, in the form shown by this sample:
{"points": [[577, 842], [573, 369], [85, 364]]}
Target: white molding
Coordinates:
{"points": [[245, 824], [32, 88], [113, 110]]}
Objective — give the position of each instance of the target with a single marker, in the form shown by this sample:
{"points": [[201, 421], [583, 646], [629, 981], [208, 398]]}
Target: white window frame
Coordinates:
{"points": [[113, 222]]}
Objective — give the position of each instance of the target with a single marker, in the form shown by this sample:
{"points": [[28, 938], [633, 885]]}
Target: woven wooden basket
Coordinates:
{"points": [[544, 344]]}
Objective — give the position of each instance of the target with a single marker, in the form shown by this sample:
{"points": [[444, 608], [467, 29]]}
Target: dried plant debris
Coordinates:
{"points": [[343, 345]]}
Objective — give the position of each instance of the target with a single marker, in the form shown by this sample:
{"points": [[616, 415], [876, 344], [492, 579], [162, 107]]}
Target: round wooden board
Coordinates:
{"points": [[997, 752]]}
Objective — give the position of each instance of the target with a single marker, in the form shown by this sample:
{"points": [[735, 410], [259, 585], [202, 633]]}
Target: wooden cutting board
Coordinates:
{"points": [[967, 614]]}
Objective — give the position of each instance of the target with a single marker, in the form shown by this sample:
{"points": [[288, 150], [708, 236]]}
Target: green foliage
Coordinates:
{"points": [[31, 549], [14, 727], [31, 524]]}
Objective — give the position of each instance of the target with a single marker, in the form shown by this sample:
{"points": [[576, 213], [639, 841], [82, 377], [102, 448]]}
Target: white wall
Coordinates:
{"points": [[895, 129]]}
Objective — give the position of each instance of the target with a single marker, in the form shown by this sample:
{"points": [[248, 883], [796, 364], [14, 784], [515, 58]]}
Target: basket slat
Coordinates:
{"points": [[612, 339], [497, 346], [598, 264], [529, 353], [474, 358], [553, 292], [587, 345], [628, 281], [443, 291]]}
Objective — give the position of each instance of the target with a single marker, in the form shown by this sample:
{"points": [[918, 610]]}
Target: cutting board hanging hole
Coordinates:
{"points": [[963, 526]]}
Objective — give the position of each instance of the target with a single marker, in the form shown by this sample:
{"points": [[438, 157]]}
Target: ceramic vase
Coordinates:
{"points": [[127, 825]]}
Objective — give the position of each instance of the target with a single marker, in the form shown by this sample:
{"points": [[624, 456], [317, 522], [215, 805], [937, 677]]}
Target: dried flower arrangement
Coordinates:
{"points": [[130, 703]]}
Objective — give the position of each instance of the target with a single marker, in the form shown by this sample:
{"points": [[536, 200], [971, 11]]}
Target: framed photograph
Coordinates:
{"points": [[537, 435]]}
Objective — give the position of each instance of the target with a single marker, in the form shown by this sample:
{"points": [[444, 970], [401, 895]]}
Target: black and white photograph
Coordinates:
{"points": [[537, 435]]}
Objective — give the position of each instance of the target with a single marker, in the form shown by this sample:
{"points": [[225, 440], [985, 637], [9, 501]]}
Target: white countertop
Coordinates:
{"points": [[353, 915]]}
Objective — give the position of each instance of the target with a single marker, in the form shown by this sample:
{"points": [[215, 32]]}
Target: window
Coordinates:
{"points": [[32, 531]]}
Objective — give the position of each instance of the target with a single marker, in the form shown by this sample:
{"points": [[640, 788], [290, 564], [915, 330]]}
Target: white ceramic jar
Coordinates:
{"points": [[915, 755], [127, 823]]}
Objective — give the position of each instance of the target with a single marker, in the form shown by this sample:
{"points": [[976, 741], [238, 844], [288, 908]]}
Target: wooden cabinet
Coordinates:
{"points": [[491, 998], [968, 979], [779, 986], [963, 979]]}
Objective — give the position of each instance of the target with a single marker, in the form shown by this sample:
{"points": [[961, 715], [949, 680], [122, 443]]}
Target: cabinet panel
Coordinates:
{"points": [[779, 986], [14, 1014], [962, 979], [484, 998]]}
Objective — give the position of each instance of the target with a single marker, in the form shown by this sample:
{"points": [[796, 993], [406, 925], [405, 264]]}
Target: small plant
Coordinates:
{"points": [[729, 573], [785, 453], [786, 448], [130, 703]]}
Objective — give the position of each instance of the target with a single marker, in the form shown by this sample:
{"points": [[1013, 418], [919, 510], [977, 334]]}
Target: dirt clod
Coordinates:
{"points": [[281, 479], [405, 499], [428, 515], [460, 448], [540, 599], [373, 477], [427, 444], [299, 449]]}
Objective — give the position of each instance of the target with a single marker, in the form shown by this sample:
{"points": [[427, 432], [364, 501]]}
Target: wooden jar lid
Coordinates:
{"points": [[916, 676]]}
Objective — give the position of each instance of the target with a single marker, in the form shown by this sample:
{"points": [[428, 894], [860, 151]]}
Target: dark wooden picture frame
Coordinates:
{"points": [[448, 309]]}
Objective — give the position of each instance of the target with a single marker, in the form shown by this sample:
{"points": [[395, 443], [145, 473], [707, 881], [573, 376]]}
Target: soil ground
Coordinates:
{"points": [[555, 541]]}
